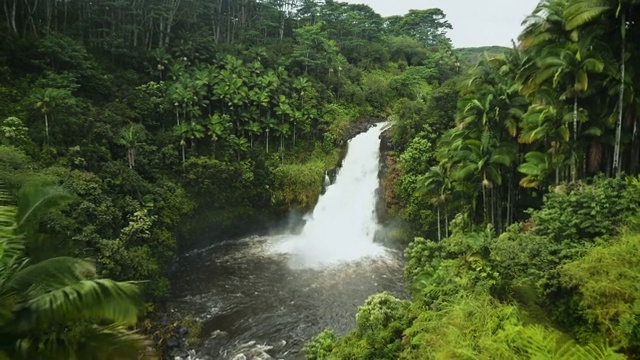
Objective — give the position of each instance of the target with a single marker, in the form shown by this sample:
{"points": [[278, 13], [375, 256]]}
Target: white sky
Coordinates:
{"points": [[475, 22]]}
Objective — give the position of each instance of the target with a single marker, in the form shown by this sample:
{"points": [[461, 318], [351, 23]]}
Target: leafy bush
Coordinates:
{"points": [[443, 269], [378, 335], [470, 326], [571, 221], [320, 347], [578, 212], [298, 185], [409, 121], [608, 284]]}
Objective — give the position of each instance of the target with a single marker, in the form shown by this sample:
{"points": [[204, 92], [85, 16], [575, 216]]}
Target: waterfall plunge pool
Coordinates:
{"points": [[264, 297]]}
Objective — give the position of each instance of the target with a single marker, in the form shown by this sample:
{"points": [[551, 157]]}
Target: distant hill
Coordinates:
{"points": [[470, 56]]}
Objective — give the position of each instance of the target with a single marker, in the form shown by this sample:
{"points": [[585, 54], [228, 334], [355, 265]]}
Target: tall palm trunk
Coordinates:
{"points": [[574, 165], [131, 156], [635, 149], [492, 204], [439, 231], [623, 53], [46, 126], [484, 203], [446, 221], [282, 148]]}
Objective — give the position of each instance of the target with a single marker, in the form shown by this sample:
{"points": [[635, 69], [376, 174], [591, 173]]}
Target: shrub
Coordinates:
{"points": [[320, 347], [378, 335], [608, 284]]}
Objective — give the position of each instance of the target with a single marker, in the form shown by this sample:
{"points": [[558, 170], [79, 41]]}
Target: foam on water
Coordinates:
{"points": [[343, 224]]}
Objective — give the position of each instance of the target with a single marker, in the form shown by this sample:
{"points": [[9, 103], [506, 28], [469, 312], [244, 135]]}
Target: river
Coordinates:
{"points": [[265, 296]]}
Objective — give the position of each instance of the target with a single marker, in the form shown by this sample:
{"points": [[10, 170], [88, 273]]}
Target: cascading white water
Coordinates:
{"points": [[343, 223]]}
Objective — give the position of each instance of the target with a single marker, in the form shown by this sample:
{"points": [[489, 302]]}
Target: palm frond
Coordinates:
{"points": [[85, 341], [87, 299], [51, 274], [581, 12], [34, 198]]}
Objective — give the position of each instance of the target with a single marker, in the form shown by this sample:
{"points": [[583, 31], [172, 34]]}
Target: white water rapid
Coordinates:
{"points": [[264, 297], [343, 224]]}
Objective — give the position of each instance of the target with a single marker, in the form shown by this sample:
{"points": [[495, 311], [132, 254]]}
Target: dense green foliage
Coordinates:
{"points": [[58, 306], [524, 199], [175, 124], [551, 288], [471, 56]]}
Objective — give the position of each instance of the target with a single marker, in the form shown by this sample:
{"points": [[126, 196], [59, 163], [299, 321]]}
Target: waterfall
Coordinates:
{"points": [[343, 223]]}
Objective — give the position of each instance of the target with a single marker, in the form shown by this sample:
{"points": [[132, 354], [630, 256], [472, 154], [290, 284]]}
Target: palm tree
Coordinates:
{"points": [[480, 161], [239, 144], [269, 123], [286, 113], [58, 308], [568, 65], [161, 60], [439, 186], [218, 127], [253, 127], [492, 95], [545, 26], [582, 12], [131, 137], [46, 100], [537, 167], [547, 122]]}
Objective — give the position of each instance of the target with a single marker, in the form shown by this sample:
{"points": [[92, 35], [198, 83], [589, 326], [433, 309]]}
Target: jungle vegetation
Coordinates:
{"points": [[167, 124], [171, 124], [523, 212]]}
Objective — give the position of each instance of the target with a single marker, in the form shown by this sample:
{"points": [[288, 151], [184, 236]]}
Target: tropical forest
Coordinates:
{"points": [[307, 179]]}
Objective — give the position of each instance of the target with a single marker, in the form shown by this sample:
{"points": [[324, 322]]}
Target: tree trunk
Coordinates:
{"points": [[492, 204], [509, 199], [131, 157], [161, 36], [13, 17], [66, 11], [635, 150], [446, 221], [30, 13], [6, 14], [439, 231], [484, 203], [282, 148], [616, 152], [574, 163], [175, 4], [46, 126]]}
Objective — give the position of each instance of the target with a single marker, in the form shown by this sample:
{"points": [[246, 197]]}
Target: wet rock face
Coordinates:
{"points": [[386, 144], [387, 163], [170, 338], [359, 126], [332, 174]]}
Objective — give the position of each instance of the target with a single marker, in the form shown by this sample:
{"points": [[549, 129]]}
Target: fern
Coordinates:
{"points": [[539, 343]]}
